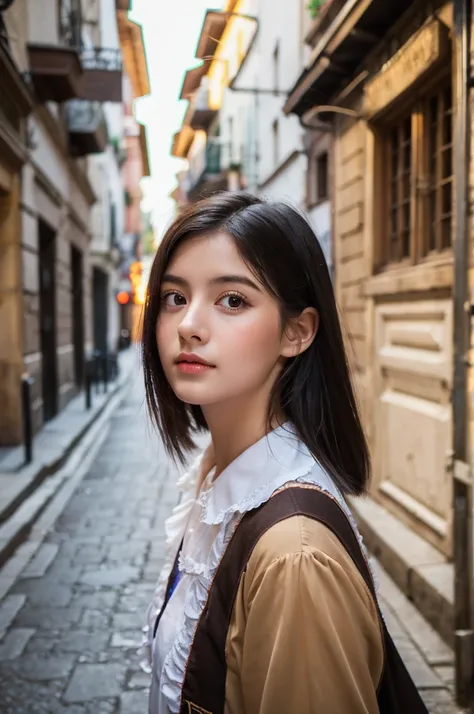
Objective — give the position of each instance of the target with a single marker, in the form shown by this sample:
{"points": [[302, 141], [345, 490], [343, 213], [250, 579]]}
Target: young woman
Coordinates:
{"points": [[242, 340]]}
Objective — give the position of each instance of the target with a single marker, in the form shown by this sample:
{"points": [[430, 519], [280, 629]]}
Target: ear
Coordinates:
{"points": [[300, 332]]}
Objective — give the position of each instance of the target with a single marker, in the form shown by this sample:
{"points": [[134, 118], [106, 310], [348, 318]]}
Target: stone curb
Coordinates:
{"points": [[43, 482], [421, 572]]}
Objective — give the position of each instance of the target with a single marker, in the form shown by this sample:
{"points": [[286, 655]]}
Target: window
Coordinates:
{"points": [[418, 177], [400, 181], [113, 225], [69, 17], [318, 174], [231, 140], [276, 66], [322, 177], [276, 142], [440, 171]]}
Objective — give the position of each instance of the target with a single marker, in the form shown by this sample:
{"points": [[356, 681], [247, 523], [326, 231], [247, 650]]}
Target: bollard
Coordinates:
{"points": [[105, 370], [97, 371], [26, 385], [88, 384]]}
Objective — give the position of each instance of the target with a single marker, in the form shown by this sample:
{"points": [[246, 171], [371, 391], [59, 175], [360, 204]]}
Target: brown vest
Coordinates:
{"points": [[205, 678]]}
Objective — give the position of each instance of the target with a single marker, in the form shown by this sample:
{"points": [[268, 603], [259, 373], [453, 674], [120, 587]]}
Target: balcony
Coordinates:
{"points": [[55, 65], [102, 80], [322, 12], [201, 114], [62, 68], [344, 33], [205, 175], [86, 127], [56, 72]]}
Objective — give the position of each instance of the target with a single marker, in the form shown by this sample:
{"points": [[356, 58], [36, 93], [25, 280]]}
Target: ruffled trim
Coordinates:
{"points": [[191, 566], [174, 529], [174, 667]]}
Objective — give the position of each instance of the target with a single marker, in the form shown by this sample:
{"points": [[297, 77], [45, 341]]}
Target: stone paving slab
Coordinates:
{"points": [[70, 624]]}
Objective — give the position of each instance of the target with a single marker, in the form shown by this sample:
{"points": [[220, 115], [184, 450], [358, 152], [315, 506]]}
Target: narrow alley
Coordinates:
{"points": [[71, 623]]}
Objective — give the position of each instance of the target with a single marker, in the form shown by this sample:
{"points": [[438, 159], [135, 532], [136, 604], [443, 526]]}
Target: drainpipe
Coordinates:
{"points": [[462, 507]]}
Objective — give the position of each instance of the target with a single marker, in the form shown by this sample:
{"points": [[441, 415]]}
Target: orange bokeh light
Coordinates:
{"points": [[123, 298]]}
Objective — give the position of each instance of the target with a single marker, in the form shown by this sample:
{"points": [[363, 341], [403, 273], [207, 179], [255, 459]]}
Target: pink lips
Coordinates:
{"points": [[192, 364], [193, 367]]}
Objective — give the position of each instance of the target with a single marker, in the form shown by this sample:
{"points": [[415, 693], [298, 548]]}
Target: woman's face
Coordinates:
{"points": [[219, 331]]}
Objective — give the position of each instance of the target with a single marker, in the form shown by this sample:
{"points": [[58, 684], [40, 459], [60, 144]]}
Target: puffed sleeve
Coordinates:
{"points": [[305, 639]]}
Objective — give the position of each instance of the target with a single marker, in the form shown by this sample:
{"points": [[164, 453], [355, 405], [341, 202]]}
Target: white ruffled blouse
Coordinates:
{"points": [[207, 521]]}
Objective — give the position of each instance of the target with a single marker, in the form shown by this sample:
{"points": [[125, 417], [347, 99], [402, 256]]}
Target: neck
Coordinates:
{"points": [[235, 427]]}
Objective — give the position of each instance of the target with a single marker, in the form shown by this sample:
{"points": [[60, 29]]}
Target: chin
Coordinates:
{"points": [[191, 396]]}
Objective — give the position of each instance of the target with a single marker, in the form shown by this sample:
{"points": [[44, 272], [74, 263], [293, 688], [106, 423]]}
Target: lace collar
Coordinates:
{"points": [[278, 457]]}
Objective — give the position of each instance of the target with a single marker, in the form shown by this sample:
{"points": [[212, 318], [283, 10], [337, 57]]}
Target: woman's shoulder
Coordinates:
{"points": [[298, 535], [306, 548]]}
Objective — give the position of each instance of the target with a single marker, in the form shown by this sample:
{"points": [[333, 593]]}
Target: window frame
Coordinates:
{"points": [[420, 183], [317, 151]]}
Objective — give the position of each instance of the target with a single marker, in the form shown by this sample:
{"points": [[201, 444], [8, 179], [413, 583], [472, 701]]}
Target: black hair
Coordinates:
{"points": [[314, 389]]}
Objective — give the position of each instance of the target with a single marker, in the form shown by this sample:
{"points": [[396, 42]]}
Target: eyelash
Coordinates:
{"points": [[228, 294]]}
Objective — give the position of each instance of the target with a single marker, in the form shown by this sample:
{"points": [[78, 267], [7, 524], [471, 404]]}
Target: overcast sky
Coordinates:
{"points": [[171, 31]]}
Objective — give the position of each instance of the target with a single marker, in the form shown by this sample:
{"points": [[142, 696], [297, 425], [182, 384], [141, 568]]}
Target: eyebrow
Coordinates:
{"points": [[219, 280]]}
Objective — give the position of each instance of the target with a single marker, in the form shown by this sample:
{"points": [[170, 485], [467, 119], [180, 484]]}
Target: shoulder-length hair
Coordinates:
{"points": [[314, 390]]}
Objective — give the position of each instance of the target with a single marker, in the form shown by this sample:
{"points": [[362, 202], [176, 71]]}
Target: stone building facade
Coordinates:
{"points": [[392, 129], [17, 103], [60, 73]]}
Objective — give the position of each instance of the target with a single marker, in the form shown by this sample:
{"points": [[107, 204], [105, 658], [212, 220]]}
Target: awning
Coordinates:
{"points": [[192, 79], [356, 29], [212, 30]]}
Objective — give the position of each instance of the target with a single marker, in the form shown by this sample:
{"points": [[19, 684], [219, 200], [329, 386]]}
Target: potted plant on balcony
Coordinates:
{"points": [[314, 6]]}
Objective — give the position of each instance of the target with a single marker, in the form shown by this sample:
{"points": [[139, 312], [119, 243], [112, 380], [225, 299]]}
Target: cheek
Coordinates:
{"points": [[257, 339], [163, 334]]}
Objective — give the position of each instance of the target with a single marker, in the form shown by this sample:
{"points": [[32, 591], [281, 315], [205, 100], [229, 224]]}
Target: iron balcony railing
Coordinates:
{"points": [[213, 158], [204, 164], [86, 126], [70, 32], [83, 117], [101, 58]]}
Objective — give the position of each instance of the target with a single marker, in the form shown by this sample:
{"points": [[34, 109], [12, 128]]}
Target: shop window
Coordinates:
{"points": [[418, 176]]}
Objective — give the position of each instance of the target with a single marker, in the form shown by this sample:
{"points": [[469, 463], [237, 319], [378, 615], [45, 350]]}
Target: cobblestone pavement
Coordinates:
{"points": [[70, 626]]}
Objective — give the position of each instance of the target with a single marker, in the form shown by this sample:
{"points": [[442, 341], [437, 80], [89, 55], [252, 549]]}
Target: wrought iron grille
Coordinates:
{"points": [[102, 58]]}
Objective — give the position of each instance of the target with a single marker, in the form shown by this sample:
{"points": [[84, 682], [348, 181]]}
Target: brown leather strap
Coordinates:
{"points": [[204, 683]]}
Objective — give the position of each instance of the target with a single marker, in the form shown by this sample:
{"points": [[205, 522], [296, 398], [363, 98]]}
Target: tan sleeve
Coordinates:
{"points": [[304, 636]]}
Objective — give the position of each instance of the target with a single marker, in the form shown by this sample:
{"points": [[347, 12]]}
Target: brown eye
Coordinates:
{"points": [[233, 302], [174, 299]]}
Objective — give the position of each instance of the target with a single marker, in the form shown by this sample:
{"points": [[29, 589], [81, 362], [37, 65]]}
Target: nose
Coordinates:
{"points": [[193, 326]]}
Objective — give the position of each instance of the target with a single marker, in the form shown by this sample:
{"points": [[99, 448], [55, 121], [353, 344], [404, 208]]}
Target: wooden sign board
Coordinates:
{"points": [[422, 53]]}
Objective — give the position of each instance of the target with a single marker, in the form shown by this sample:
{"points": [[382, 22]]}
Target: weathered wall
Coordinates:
{"points": [[398, 318]]}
